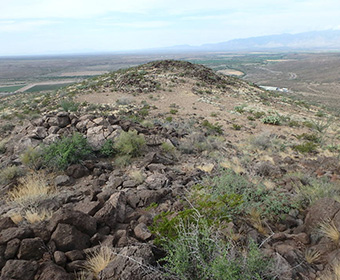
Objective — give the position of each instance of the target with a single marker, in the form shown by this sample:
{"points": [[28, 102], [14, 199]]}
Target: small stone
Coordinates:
{"points": [[62, 180], [75, 255], [59, 258]]}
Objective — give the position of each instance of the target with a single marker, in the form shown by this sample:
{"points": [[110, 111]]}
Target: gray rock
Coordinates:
{"points": [[63, 119], [62, 180], [142, 232], [88, 207]]}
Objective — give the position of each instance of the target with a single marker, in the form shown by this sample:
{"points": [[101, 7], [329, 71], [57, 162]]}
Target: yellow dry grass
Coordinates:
{"points": [[334, 274], [31, 189], [329, 230], [98, 261], [312, 256], [17, 218], [36, 215]]}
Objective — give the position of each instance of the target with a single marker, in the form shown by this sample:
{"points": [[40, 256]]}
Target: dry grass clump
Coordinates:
{"points": [[329, 230], [31, 189], [312, 255], [37, 215], [98, 261], [9, 173], [17, 218]]}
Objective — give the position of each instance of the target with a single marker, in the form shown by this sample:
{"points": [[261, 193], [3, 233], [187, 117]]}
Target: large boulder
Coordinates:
{"points": [[83, 222], [32, 249], [67, 238], [50, 271]]}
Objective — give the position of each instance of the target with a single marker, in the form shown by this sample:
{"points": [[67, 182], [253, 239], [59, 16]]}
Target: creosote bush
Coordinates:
{"points": [[66, 151]]}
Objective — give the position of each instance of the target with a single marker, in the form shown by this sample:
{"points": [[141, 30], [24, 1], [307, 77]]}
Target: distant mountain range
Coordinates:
{"points": [[315, 40]]}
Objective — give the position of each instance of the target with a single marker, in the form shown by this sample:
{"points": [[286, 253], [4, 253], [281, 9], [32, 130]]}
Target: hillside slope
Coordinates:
{"points": [[167, 170]]}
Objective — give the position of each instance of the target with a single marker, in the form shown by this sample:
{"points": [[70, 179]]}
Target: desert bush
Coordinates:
{"points": [[272, 119], [311, 189], [265, 141], [129, 143], [31, 158], [107, 150], [9, 173], [36, 215], [69, 105], [3, 147], [212, 128], [66, 151], [199, 252], [271, 203], [307, 147]]}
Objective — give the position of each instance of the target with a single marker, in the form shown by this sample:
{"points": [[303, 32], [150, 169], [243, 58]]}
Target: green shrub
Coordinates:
{"points": [[66, 151], [107, 150], [309, 137], [275, 120], [129, 143], [307, 147], [270, 203], [240, 108], [69, 105], [200, 253], [173, 111], [237, 126], [212, 128]]}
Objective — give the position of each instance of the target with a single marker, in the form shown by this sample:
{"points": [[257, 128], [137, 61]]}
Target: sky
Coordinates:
{"points": [[40, 27]]}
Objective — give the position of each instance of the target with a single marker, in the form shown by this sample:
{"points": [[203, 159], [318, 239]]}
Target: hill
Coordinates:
{"points": [[167, 170]]}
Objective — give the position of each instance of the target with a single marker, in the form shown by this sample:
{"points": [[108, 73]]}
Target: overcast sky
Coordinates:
{"points": [[74, 26]]}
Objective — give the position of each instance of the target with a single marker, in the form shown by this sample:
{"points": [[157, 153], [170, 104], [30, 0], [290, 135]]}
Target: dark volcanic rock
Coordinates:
{"points": [[32, 249], [19, 270], [83, 222], [14, 232], [50, 271], [68, 238], [77, 171]]}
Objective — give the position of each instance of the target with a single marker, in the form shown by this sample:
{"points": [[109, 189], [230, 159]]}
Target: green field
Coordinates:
{"points": [[10, 88], [46, 87]]}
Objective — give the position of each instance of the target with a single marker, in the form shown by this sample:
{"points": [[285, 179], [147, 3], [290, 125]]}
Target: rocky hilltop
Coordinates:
{"points": [[168, 170]]}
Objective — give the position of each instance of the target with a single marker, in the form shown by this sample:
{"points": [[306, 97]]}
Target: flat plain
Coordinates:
{"points": [[313, 76]]}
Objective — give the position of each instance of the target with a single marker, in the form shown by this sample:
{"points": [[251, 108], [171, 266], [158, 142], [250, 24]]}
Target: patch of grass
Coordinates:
{"points": [[173, 111], [307, 147], [31, 158], [237, 126], [99, 260], [69, 105], [240, 108], [35, 215], [9, 173], [329, 230], [212, 128], [66, 151], [130, 143], [272, 119], [31, 189], [309, 137], [311, 189], [3, 147]]}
